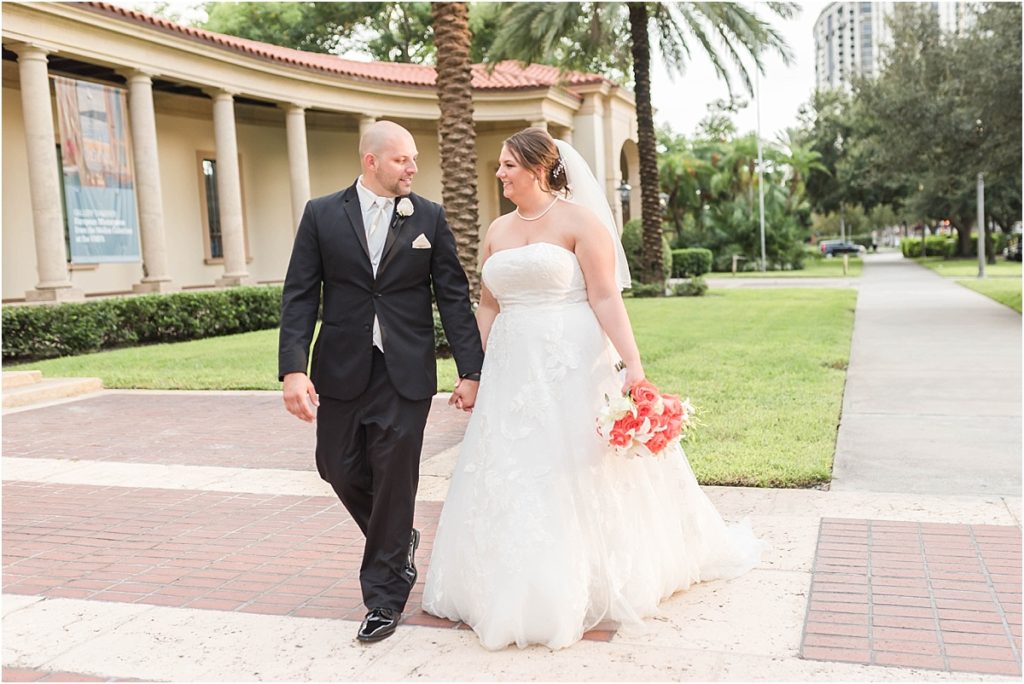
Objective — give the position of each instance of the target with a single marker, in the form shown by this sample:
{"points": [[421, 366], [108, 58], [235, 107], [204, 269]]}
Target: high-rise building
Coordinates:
{"points": [[850, 37]]}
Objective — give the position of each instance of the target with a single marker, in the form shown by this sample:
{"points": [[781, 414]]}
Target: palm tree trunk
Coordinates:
{"points": [[650, 207], [456, 133]]}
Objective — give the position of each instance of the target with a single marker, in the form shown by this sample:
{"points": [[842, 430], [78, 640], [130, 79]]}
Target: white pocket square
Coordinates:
{"points": [[421, 242]]}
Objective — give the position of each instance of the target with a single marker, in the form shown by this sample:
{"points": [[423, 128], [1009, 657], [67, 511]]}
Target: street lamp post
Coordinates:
{"points": [[624, 190], [760, 164], [981, 225]]}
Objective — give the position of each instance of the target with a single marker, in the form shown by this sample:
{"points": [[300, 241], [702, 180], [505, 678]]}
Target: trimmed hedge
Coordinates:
{"points": [[695, 287], [47, 331], [691, 262], [42, 332], [937, 245]]}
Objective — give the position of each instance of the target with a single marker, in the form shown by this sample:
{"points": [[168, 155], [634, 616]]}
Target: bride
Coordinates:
{"points": [[545, 532]]}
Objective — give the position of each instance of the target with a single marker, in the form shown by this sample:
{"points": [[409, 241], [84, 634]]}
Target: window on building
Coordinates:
{"points": [[213, 242], [63, 206]]}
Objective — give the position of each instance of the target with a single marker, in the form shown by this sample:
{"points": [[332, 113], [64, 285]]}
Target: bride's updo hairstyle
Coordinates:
{"points": [[535, 149]]}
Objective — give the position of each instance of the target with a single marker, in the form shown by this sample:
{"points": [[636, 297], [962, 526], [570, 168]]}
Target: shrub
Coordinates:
{"points": [[441, 346], [644, 290], [40, 332], [999, 241], [633, 243], [45, 331], [691, 262], [695, 287], [940, 245], [937, 245], [995, 244]]}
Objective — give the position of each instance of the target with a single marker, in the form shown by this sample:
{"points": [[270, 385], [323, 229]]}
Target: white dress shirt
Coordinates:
{"points": [[376, 210]]}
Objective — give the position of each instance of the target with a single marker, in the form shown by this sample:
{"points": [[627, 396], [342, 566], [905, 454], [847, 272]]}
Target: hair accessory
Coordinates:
{"points": [[558, 169]]}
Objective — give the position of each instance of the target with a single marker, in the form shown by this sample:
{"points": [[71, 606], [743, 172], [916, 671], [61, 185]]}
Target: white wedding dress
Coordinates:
{"points": [[545, 533]]}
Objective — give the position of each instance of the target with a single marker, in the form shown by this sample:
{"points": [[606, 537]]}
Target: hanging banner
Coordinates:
{"points": [[99, 182]]}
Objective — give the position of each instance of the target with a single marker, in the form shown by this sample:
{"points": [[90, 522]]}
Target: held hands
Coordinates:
{"points": [[297, 387], [464, 395]]}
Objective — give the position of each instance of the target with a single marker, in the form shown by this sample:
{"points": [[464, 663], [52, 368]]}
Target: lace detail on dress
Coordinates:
{"points": [[544, 532]]}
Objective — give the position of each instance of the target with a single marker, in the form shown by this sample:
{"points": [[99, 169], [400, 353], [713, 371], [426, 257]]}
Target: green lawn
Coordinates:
{"points": [[814, 267], [766, 368], [968, 267], [1004, 290], [1002, 281]]}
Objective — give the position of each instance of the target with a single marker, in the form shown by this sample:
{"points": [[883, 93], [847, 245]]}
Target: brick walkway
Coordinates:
{"points": [[239, 431], [272, 555], [934, 596], [945, 597]]}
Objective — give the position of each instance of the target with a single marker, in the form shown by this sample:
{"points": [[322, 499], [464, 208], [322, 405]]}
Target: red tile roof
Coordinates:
{"points": [[504, 76]]}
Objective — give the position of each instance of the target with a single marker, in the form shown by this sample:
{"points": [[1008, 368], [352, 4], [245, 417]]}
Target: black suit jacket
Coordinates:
{"points": [[330, 253]]}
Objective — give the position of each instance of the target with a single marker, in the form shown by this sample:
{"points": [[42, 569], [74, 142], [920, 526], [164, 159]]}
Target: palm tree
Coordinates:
{"points": [[801, 158], [558, 33], [456, 132]]}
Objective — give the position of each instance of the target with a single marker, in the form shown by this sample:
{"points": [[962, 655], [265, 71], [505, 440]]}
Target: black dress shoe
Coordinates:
{"points": [[410, 564], [380, 623]]}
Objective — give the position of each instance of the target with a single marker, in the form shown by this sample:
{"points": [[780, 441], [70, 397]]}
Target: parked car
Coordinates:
{"points": [[833, 247], [1012, 251]]}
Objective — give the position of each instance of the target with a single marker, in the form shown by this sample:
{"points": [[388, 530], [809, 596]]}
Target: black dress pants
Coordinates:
{"points": [[368, 449]]}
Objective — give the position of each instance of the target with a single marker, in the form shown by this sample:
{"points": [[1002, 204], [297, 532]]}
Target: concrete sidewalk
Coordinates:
{"points": [[933, 390]]}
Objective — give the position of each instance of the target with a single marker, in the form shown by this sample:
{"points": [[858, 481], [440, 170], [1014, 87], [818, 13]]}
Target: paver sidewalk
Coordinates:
{"points": [[155, 570]]}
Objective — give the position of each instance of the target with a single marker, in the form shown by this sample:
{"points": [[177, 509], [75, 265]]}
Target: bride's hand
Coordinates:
{"points": [[633, 376]]}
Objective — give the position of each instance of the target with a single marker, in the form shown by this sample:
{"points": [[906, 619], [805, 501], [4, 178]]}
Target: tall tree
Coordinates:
{"points": [[990, 53], [565, 33], [384, 31], [944, 108], [456, 132]]}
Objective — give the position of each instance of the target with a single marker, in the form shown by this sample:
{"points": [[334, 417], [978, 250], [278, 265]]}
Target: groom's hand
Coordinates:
{"points": [[464, 395], [297, 387]]}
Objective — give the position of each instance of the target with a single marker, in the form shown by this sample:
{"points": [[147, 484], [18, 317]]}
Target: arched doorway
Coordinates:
{"points": [[629, 180]]}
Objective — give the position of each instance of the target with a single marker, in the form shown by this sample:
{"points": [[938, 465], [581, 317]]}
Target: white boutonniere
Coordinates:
{"points": [[405, 208]]}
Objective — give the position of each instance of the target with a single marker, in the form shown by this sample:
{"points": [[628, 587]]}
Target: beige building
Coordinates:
{"points": [[230, 137]]}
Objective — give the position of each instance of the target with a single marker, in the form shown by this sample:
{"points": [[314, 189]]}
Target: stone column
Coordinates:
{"points": [[365, 122], [298, 159], [566, 135], [229, 190], [540, 123], [44, 183], [147, 181]]}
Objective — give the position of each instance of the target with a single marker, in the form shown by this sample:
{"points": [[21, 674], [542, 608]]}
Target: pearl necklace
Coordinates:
{"points": [[540, 215]]}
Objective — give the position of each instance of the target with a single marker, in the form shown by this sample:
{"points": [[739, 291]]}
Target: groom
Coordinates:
{"points": [[376, 250]]}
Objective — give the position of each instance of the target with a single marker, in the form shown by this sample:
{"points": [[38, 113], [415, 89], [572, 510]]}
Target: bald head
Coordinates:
{"points": [[381, 135], [387, 154]]}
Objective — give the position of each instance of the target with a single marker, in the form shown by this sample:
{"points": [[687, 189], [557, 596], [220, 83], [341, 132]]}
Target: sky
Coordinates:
{"points": [[681, 101]]}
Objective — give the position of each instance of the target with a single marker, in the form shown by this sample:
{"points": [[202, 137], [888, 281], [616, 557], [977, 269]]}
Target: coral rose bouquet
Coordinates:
{"points": [[644, 421]]}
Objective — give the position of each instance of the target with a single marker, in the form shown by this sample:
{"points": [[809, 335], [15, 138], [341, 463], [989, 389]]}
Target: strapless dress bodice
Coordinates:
{"points": [[540, 274]]}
